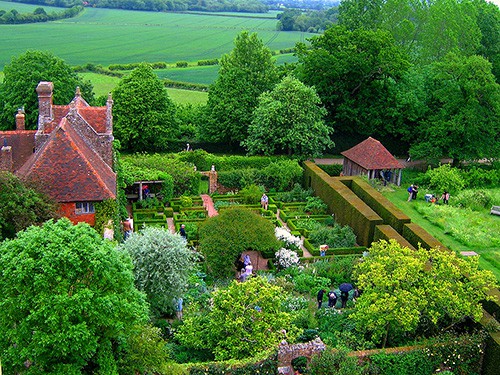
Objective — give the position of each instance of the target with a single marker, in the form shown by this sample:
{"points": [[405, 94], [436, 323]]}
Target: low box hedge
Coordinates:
{"points": [[334, 251]]}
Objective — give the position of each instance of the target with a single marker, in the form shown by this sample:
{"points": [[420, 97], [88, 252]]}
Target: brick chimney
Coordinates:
{"points": [[44, 90], [20, 120]]}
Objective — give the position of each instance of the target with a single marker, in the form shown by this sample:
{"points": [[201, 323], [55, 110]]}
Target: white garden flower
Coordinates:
{"points": [[286, 258]]}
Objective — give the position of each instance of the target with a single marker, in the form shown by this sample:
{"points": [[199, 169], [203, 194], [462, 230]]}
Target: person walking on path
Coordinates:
{"points": [[410, 192], [182, 232], [128, 227], [178, 308], [320, 297], [264, 201]]}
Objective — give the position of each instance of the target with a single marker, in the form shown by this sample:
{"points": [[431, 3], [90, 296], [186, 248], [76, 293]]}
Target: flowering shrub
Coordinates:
{"points": [[295, 303], [286, 258], [287, 238]]}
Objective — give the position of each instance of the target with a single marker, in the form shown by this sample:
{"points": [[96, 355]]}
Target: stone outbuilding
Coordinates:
{"points": [[372, 159], [70, 155]]}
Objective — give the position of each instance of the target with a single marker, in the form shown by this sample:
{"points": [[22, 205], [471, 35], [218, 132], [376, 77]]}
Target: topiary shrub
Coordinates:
{"points": [[225, 236]]}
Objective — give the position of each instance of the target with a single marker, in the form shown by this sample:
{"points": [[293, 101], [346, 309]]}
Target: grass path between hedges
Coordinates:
{"points": [[489, 258]]}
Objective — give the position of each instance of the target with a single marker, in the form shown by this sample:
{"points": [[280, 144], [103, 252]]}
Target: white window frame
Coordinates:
{"points": [[84, 208]]}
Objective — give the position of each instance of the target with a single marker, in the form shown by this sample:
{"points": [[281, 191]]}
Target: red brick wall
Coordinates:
{"points": [[68, 210]]}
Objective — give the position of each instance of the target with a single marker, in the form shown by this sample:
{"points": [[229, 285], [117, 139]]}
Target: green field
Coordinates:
{"points": [[193, 74], [109, 36], [105, 84]]}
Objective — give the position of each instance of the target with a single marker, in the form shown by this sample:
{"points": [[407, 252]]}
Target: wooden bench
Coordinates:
{"points": [[495, 210]]}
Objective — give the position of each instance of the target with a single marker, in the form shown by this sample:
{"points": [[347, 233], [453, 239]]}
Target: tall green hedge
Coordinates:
{"points": [[415, 235], [386, 232], [380, 204], [347, 207]]}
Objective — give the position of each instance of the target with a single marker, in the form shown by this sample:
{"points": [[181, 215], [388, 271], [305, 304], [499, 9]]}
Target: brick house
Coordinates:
{"points": [[70, 154], [372, 159]]}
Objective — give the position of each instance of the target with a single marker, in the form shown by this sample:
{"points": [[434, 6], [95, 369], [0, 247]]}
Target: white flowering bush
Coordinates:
{"points": [[295, 303], [286, 258], [289, 240]]}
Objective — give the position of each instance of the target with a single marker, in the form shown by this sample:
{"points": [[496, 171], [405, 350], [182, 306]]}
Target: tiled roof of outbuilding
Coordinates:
{"points": [[371, 154]]}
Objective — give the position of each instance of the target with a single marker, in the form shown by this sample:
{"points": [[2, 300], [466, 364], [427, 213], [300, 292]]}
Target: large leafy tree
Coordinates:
{"points": [[162, 265], [428, 30], [464, 106], [68, 301], [405, 290], [143, 114], [245, 319], [289, 119], [22, 76], [21, 206], [488, 20], [352, 72], [245, 73]]}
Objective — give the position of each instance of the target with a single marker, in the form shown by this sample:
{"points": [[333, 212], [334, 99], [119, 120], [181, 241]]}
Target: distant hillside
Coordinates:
{"points": [[252, 6]]}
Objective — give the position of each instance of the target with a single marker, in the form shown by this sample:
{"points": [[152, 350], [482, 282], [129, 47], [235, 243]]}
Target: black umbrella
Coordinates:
{"points": [[345, 287]]}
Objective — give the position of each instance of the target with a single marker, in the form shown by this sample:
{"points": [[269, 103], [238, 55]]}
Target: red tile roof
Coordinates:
{"points": [[69, 169], [94, 116], [371, 154], [22, 142]]}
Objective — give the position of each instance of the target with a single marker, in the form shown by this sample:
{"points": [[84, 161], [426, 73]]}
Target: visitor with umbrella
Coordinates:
{"points": [[344, 293]]}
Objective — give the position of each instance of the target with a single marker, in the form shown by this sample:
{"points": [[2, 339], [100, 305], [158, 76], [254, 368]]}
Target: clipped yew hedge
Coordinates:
{"points": [[386, 232], [348, 208], [415, 235], [380, 204]]}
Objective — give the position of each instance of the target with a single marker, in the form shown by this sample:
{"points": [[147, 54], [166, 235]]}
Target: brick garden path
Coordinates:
{"points": [[209, 205]]}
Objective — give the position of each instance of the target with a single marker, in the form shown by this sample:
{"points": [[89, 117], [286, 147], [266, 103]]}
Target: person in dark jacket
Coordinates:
{"points": [[320, 297], [344, 296]]}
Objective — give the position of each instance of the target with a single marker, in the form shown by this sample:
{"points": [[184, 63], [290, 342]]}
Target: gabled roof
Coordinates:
{"points": [[371, 154], [94, 116], [69, 169]]}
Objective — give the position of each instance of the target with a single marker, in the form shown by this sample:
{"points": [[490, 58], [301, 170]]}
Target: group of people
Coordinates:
{"points": [[412, 192], [333, 297], [431, 198]]}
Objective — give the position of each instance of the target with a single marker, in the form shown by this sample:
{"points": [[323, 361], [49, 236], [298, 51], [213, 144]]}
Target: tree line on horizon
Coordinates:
{"points": [[250, 6]]}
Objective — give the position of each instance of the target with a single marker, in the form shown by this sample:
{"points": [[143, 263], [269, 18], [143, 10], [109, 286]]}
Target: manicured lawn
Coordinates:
{"points": [[467, 224], [111, 36]]}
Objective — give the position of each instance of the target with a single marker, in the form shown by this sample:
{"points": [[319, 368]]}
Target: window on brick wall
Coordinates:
{"points": [[84, 208]]}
